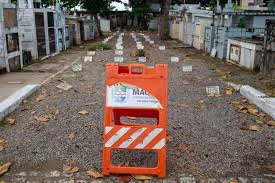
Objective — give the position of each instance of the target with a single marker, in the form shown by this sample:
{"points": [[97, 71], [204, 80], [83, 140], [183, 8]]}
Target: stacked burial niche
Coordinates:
{"points": [[43, 29], [10, 38]]}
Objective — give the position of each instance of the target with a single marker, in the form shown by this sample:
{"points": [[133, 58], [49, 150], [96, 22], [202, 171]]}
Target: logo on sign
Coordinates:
{"points": [[120, 94]]}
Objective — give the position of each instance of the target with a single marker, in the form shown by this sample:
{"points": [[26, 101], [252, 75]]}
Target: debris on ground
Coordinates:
{"points": [[9, 120], [71, 136], [15, 82], [94, 174], [254, 128], [142, 177], [83, 112], [2, 144], [77, 68], [42, 118], [70, 169], [4, 168], [64, 86]]}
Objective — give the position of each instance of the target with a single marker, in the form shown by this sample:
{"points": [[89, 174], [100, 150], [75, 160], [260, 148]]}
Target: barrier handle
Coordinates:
{"points": [[137, 69]]}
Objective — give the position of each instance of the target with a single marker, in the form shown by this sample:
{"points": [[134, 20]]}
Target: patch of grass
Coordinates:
{"points": [[140, 53], [99, 46]]}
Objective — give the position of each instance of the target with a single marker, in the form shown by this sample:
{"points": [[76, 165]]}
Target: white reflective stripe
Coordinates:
{"points": [[149, 138], [116, 136], [132, 138], [160, 144], [108, 129]]}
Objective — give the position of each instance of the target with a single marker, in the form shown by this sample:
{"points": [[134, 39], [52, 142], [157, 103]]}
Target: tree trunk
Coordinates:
{"points": [[98, 26], [164, 19]]}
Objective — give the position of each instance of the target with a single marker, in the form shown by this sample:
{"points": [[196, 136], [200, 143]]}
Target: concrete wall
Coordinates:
{"points": [[217, 37], [153, 23], [105, 25], [259, 21], [26, 23], [6, 21], [248, 54]]}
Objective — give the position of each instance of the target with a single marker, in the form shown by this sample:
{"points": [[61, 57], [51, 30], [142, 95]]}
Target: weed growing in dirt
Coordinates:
{"points": [[99, 46]]}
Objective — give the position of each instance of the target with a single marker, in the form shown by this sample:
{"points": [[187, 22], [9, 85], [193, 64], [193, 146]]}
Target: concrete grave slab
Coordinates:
{"points": [[118, 59], [88, 59], [91, 53], [162, 48], [187, 68], [142, 59], [175, 59], [213, 90], [119, 52]]}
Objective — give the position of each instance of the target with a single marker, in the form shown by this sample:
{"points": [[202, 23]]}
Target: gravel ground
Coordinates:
{"points": [[208, 126]]}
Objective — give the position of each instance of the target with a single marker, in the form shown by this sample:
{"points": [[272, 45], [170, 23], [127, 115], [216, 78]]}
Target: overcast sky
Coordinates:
{"points": [[120, 6]]}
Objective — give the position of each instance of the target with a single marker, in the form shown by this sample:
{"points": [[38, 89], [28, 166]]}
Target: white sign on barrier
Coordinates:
{"points": [[130, 96]]}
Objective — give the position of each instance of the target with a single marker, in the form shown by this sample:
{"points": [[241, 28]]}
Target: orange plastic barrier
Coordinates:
{"points": [[135, 91]]}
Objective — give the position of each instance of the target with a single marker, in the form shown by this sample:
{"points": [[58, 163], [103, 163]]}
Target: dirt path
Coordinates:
{"points": [[209, 127]]}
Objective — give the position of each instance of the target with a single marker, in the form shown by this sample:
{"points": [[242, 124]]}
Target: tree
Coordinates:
{"points": [[140, 10], [271, 5], [94, 7], [164, 19]]}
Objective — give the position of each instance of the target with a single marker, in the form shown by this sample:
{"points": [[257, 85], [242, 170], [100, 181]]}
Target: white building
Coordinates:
{"points": [[10, 38]]}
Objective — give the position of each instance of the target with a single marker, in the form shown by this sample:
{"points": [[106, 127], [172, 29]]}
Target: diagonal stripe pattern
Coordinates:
{"points": [[140, 137]]}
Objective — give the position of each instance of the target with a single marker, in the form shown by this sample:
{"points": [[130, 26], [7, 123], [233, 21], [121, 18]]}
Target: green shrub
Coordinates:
{"points": [[140, 53], [99, 46]]}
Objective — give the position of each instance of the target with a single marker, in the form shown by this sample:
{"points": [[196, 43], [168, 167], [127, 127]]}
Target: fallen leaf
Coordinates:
{"points": [[93, 173], [241, 109], [261, 114], [4, 168], [253, 111], [271, 123], [71, 135], [56, 112], [201, 102], [70, 169], [229, 91], [177, 153], [84, 112], [123, 178], [250, 128], [41, 119], [142, 177], [259, 122], [271, 167], [169, 138], [2, 144], [183, 148], [9, 120], [41, 97], [214, 95], [91, 103]]}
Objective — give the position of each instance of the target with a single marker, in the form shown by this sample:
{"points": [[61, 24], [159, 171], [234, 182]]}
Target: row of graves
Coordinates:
{"points": [[29, 32]]}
